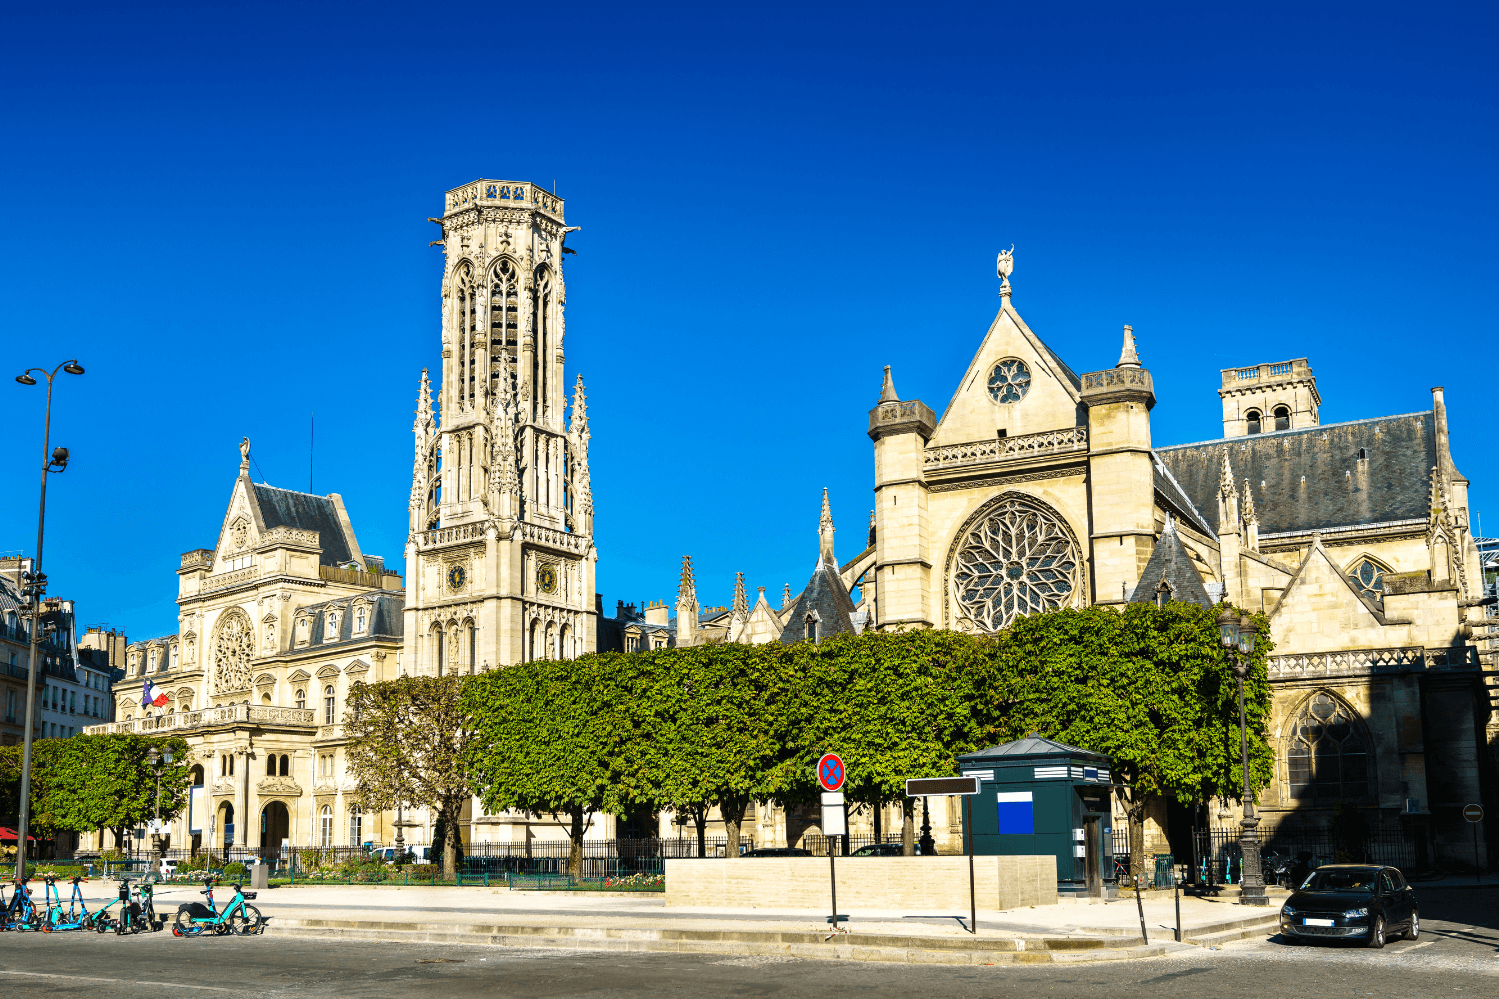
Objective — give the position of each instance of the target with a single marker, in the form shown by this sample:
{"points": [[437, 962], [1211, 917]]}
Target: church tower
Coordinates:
{"points": [[500, 556]]}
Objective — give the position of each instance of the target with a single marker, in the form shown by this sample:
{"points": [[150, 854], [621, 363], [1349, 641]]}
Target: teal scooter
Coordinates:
{"points": [[77, 916]]}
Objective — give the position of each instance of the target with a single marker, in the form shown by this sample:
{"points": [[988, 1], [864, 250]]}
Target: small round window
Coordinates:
{"points": [[1009, 381]]}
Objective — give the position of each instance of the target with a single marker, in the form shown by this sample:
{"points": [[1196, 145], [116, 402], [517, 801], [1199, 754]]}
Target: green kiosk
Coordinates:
{"points": [[1041, 797]]}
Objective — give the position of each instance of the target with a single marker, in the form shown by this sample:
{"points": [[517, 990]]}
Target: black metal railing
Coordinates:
{"points": [[1287, 855]]}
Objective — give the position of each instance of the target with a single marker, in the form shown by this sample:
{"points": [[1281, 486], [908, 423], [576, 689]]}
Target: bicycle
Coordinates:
{"points": [[195, 918]]}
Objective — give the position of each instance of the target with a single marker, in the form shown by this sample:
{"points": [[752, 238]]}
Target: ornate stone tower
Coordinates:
{"points": [[500, 556]]}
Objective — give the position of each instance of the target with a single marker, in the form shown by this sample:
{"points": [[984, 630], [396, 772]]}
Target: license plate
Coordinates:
{"points": [[1316, 922]]}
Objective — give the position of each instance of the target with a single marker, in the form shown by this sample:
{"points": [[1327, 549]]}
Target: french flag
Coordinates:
{"points": [[153, 696]]}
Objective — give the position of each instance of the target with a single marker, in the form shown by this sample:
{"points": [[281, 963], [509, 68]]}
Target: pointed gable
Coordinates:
{"points": [[1321, 611], [1050, 400], [826, 601], [1172, 571]]}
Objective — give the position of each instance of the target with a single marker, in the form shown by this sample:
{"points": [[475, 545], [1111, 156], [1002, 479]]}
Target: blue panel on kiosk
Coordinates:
{"points": [[1016, 813]]}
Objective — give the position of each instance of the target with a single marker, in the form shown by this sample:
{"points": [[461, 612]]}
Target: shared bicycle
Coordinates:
{"points": [[238, 917]]}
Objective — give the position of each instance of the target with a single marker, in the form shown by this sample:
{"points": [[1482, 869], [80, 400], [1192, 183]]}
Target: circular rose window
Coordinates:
{"points": [[1015, 558], [1009, 381]]}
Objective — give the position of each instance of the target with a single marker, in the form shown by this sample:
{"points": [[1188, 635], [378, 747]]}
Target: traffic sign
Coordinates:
{"points": [[917, 787], [830, 772], [1473, 813]]}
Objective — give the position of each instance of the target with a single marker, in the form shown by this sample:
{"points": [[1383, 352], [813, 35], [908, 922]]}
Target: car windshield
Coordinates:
{"points": [[1342, 879]]}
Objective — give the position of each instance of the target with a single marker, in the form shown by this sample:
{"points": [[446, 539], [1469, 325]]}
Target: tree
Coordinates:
{"points": [[98, 781], [713, 729], [408, 741], [553, 738], [891, 705], [1149, 686]]}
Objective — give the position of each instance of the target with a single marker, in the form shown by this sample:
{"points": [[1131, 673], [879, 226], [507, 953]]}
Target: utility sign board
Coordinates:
{"points": [[917, 787], [1016, 813], [1473, 813], [830, 772]]}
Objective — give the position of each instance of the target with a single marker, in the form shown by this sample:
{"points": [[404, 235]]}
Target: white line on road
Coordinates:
{"points": [[120, 981]]}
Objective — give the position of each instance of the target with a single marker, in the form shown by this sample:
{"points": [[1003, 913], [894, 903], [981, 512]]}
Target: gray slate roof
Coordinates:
{"points": [[1171, 563], [387, 619], [307, 512], [1031, 745], [1313, 478], [824, 594]]}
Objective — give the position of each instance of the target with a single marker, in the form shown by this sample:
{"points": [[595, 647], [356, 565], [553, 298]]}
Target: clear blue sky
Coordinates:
{"points": [[222, 213]]}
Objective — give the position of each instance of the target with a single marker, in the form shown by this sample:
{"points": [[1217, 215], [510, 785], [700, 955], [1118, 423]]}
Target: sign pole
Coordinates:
{"points": [[831, 774], [833, 880], [1474, 815], [973, 906]]}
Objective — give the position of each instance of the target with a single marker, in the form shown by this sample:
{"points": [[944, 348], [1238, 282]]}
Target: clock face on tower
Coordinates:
{"points": [[457, 577], [546, 579]]}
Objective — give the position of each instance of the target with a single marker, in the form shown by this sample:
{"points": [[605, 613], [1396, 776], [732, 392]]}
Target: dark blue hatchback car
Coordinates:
{"points": [[1351, 901]]}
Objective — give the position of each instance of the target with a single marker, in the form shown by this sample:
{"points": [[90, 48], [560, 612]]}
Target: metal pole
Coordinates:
{"points": [[833, 878], [1140, 905], [38, 588], [1178, 887], [1477, 873], [973, 906], [1251, 882]]}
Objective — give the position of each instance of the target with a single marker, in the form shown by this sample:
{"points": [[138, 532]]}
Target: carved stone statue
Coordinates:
{"points": [[1005, 265], [244, 454]]}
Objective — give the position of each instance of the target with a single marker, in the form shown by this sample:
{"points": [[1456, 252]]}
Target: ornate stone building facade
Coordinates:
{"points": [[500, 561]]}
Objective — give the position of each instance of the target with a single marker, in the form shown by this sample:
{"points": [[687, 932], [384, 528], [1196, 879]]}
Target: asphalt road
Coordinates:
{"points": [[1457, 956]]}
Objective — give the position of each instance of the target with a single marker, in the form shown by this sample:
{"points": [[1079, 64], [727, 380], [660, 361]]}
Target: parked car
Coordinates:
{"points": [[1351, 901], [777, 851], [885, 850], [168, 869]]}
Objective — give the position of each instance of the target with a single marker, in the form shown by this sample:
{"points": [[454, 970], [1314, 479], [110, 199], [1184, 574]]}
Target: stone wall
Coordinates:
{"points": [[918, 885]]}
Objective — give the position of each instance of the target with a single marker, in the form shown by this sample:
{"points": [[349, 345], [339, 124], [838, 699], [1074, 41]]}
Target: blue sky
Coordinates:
{"points": [[222, 213]]}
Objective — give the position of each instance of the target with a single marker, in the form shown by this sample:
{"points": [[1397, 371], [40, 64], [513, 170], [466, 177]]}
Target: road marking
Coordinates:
{"points": [[119, 981]]}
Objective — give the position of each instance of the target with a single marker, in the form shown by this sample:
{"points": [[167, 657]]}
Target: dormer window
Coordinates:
{"points": [[155, 656], [1253, 419], [304, 627], [1163, 594], [174, 657], [812, 629], [1282, 418], [330, 627], [361, 618]]}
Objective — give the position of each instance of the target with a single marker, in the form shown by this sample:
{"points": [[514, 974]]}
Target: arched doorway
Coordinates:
{"points": [[226, 824], [275, 826]]}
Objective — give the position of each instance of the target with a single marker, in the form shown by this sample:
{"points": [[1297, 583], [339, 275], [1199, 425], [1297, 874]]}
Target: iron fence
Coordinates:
{"points": [[817, 844], [1287, 855]]}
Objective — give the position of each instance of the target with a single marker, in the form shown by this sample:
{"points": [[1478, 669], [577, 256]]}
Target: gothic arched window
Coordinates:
{"points": [[466, 305], [1327, 758], [1368, 578], [504, 321], [1015, 557], [1282, 418], [541, 326], [1253, 419]]}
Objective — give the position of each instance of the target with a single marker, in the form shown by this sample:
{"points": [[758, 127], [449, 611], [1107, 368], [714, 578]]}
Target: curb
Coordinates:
{"points": [[813, 946]]}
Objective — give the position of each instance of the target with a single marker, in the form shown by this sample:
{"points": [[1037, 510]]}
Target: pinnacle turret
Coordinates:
{"points": [[887, 390], [1128, 358], [825, 531]]}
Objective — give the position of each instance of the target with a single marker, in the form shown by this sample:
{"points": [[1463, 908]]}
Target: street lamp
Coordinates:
{"points": [[159, 762], [33, 590], [1237, 635]]}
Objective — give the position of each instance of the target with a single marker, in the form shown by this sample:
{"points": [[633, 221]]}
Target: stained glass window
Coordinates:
{"points": [[1016, 559], [1368, 579], [1328, 758], [1009, 381]]}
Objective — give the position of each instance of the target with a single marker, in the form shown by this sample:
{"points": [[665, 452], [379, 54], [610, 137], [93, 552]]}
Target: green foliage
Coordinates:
{"points": [[408, 740], [234, 871], [96, 781]]}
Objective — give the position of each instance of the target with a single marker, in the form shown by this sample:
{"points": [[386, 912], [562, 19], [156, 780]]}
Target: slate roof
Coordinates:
{"points": [[1171, 563], [387, 619], [1171, 490], [1311, 479], [1031, 745], [824, 594], [307, 512]]}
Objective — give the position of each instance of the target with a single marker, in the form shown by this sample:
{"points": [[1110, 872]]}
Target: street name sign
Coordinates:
{"points": [[917, 787]]}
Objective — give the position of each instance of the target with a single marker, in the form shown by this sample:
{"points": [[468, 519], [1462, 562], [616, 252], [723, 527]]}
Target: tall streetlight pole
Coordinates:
{"points": [[1237, 635], [157, 760], [36, 586]]}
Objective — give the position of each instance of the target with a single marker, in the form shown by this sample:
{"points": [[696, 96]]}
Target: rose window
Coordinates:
{"points": [[233, 646], [1009, 381], [1018, 558]]}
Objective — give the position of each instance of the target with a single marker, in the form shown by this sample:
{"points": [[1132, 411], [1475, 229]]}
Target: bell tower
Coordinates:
{"points": [[500, 557]]}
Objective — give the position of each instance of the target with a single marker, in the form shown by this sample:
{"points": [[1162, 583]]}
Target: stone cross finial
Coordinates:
{"points": [[785, 595], [1127, 357]]}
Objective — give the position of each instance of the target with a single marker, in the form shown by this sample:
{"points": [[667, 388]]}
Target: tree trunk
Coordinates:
{"points": [[699, 815], [1134, 810], [908, 828], [449, 817], [575, 852], [732, 810], [878, 807]]}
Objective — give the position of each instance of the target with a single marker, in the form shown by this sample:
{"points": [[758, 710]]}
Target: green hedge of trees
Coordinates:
{"points": [[725, 725]]}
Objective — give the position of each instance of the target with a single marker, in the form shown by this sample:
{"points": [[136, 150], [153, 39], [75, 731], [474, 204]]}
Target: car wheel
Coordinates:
{"points": [[1414, 933], [1376, 933]]}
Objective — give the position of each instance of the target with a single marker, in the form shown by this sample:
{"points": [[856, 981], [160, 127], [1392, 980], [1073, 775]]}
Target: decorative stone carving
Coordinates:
{"points": [[233, 647], [279, 785]]}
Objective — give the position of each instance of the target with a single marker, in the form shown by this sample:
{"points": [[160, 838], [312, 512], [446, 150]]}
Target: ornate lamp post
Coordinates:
{"points": [[1237, 636], [33, 591], [159, 762]]}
